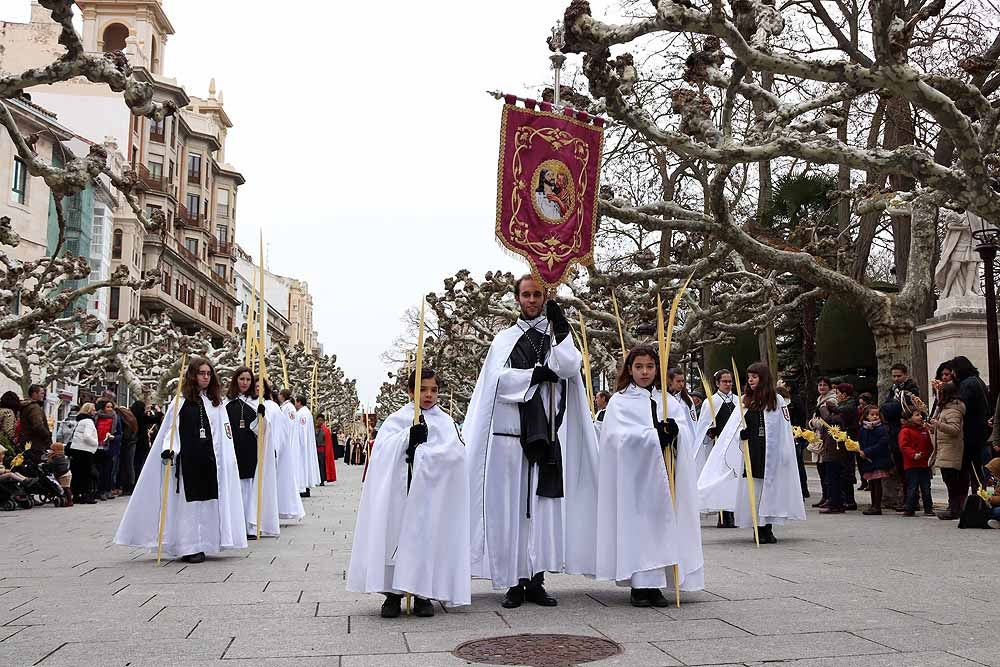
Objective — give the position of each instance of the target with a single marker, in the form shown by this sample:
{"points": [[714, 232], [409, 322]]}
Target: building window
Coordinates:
{"points": [[156, 169], [194, 168], [170, 172], [222, 233], [201, 304], [220, 270], [116, 245], [222, 207], [113, 303], [193, 204], [192, 245], [19, 188], [156, 130]]}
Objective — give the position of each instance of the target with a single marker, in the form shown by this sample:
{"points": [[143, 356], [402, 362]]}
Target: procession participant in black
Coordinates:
{"points": [[204, 507], [534, 496], [723, 403]]}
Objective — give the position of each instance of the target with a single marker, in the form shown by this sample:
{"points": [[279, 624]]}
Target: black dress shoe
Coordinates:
{"points": [[639, 597], [390, 608], [422, 607], [538, 595], [656, 598], [251, 536], [194, 558], [514, 597]]}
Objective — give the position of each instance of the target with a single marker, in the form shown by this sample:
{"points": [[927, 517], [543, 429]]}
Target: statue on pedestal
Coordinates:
{"points": [[957, 272]]}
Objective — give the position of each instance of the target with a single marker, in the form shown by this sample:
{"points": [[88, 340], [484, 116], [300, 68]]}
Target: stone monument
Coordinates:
{"points": [[958, 326]]}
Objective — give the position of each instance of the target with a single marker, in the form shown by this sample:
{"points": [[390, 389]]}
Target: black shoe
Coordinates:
{"points": [[851, 507], [823, 502], [422, 607], [322, 483], [639, 597], [251, 536], [536, 593], [390, 608], [194, 558], [514, 597], [656, 599]]}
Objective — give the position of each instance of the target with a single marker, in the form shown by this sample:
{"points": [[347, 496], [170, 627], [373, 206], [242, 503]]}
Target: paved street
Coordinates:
{"points": [[837, 591]]}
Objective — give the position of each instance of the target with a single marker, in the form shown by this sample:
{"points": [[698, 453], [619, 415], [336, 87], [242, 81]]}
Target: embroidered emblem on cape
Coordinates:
{"points": [[784, 412], [292, 417], [229, 431], [302, 420]]}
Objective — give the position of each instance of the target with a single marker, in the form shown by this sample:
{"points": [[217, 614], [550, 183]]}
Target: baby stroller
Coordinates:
{"points": [[43, 488], [15, 494]]}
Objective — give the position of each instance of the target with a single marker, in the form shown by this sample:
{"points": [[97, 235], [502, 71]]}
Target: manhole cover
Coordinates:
{"points": [[538, 650]]}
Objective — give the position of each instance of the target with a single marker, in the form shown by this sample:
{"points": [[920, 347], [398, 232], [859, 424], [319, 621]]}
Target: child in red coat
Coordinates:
{"points": [[916, 449]]}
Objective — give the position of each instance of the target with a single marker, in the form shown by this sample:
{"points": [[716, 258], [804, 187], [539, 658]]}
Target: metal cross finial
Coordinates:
{"points": [[558, 39]]}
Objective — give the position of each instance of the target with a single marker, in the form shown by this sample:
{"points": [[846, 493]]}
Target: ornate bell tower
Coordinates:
{"points": [[138, 27]]}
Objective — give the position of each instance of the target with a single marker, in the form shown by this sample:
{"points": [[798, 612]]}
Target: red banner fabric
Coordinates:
{"points": [[547, 190]]}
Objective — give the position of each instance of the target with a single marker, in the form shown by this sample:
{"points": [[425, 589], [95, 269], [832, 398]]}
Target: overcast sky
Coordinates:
{"points": [[367, 141]]}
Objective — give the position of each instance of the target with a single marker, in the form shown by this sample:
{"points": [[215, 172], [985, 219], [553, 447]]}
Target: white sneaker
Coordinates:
{"points": [[993, 523]]}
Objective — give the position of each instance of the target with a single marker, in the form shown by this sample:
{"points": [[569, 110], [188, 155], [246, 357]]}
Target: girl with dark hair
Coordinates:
{"points": [[875, 456], [641, 531], [947, 424], [244, 412], [712, 419], [412, 533], [204, 509], [768, 439]]}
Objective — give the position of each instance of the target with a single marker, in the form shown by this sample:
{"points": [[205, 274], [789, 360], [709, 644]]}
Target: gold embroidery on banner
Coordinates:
{"points": [[549, 250]]}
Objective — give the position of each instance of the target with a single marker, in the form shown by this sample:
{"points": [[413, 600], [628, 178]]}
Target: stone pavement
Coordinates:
{"points": [[837, 591]]}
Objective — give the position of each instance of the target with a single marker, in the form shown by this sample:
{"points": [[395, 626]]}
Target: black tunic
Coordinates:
{"points": [[244, 439], [722, 415], [757, 442], [197, 455], [536, 442]]}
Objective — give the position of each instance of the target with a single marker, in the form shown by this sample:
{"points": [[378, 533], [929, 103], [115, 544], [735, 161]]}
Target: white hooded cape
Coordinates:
{"points": [[287, 464], [416, 543], [307, 447], [706, 420], [723, 487], [207, 526], [640, 529], [559, 536], [294, 455], [248, 487]]}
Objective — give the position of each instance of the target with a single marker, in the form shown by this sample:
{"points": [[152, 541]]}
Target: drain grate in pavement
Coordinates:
{"points": [[537, 650]]}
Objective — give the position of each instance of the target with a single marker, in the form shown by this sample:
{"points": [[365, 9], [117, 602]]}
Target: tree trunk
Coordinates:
{"points": [[809, 350], [893, 345]]}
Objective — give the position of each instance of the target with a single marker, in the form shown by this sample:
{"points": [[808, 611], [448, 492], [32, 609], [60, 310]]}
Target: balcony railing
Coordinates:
{"points": [[151, 181], [217, 248], [191, 219], [219, 279], [158, 137], [187, 254]]}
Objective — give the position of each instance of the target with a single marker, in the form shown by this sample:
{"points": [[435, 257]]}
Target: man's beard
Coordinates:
{"points": [[525, 315]]}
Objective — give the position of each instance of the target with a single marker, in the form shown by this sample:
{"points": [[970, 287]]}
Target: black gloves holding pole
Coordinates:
{"points": [[666, 431], [418, 436], [543, 374], [560, 325]]}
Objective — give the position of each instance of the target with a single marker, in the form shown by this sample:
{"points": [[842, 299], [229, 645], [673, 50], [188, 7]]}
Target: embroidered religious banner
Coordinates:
{"points": [[547, 187]]}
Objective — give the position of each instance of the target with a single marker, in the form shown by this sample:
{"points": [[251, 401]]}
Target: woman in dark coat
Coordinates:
{"points": [[975, 432]]}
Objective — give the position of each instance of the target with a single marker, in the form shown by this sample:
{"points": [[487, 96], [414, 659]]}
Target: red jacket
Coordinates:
{"points": [[913, 440]]}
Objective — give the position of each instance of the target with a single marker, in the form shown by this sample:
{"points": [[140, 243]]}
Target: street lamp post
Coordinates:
{"points": [[987, 239]]}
